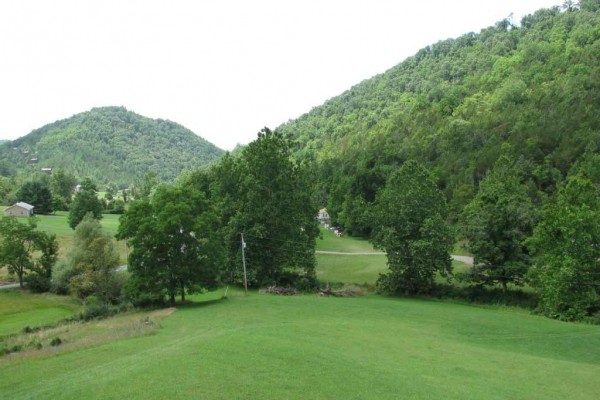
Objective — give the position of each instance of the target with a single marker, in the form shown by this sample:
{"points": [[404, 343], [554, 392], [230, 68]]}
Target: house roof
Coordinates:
{"points": [[24, 205]]}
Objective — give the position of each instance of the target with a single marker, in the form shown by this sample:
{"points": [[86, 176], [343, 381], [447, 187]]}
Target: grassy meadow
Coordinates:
{"points": [[357, 269], [19, 309], [298, 347]]}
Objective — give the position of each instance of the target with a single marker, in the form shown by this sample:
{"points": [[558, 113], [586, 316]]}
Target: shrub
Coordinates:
{"points": [[38, 283], [56, 341], [61, 276]]}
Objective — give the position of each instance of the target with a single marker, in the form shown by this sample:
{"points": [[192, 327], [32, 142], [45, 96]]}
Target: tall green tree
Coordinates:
{"points": [[275, 211], [85, 201], [62, 184], [18, 244], [175, 241], [92, 263], [567, 271], [495, 224], [38, 194], [408, 219]]}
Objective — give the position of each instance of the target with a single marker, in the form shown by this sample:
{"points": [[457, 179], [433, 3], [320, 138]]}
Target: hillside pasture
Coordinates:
{"points": [[300, 347]]}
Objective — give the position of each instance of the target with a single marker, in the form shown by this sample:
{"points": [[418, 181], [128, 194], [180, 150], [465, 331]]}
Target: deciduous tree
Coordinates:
{"points": [[567, 272], [408, 219], [38, 194], [92, 262], [275, 210], [85, 201], [495, 224], [19, 241], [176, 248]]}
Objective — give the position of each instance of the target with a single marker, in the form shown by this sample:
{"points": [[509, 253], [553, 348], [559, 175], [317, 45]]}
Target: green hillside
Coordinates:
{"points": [[110, 144], [531, 90]]}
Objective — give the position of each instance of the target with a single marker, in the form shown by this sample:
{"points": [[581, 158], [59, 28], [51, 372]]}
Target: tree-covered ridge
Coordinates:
{"points": [[454, 104], [112, 145]]}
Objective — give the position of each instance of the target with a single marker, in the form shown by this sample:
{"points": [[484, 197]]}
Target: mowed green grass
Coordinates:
{"points": [[356, 269], [19, 309], [310, 347]]}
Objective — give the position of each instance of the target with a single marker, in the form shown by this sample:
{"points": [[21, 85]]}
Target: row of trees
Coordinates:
{"points": [[187, 236], [556, 249]]}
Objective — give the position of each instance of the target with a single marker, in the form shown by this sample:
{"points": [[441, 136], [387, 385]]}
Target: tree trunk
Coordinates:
{"points": [[172, 298], [504, 286], [182, 293], [20, 274]]}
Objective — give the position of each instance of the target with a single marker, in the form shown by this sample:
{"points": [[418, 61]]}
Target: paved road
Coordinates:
{"points": [[464, 259], [9, 286]]}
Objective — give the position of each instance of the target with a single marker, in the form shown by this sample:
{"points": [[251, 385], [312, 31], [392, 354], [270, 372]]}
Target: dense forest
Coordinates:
{"points": [[108, 145], [530, 91]]}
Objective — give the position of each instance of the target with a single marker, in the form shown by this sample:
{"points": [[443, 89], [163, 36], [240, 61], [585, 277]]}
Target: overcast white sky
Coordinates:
{"points": [[222, 68]]}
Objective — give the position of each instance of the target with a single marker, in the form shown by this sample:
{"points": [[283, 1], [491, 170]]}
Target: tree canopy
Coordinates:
{"points": [[110, 145], [176, 247], [408, 217]]}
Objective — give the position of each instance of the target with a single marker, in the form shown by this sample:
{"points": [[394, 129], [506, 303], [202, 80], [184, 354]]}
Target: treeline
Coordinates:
{"points": [[190, 235], [108, 145], [455, 104], [507, 122]]}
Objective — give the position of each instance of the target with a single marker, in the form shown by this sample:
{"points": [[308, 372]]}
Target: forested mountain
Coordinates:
{"points": [[109, 145], [531, 92]]}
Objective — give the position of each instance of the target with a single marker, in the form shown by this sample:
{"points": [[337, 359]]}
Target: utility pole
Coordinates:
{"points": [[244, 264]]}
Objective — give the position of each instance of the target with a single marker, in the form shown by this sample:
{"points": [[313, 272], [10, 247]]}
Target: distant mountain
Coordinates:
{"points": [[111, 145], [532, 91]]}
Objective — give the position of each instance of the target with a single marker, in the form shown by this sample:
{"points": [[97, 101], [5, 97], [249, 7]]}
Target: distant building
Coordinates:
{"points": [[323, 216], [33, 161], [19, 209], [47, 171]]}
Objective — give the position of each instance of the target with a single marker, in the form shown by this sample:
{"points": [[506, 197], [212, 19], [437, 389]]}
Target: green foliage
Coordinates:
{"points": [[85, 201], [495, 224], [38, 194], [90, 266], [111, 145], [408, 220], [453, 105], [18, 243], [266, 195], [62, 185], [176, 246], [567, 274]]}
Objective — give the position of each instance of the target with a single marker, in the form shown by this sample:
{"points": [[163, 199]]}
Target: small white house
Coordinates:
{"points": [[323, 216], [19, 209]]}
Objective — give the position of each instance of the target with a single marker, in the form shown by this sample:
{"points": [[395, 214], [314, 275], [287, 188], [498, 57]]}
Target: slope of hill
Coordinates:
{"points": [[111, 144], [531, 90]]}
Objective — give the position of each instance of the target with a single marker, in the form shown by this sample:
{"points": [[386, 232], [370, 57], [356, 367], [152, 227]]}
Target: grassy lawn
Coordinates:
{"points": [[19, 309], [350, 269], [300, 347], [349, 244], [357, 269]]}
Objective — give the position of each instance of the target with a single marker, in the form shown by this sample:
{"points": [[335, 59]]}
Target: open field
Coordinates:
{"points": [[19, 309], [357, 269], [299, 347]]}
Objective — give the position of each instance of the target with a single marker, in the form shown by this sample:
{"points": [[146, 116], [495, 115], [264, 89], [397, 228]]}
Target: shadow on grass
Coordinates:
{"points": [[200, 304]]}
